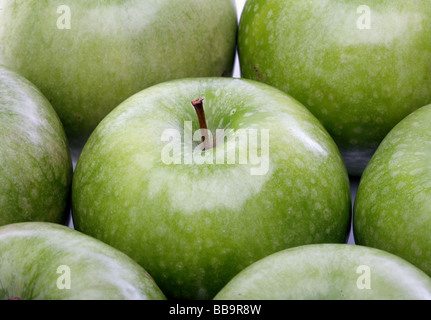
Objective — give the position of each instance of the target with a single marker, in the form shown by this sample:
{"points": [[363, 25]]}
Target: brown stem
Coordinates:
{"points": [[199, 108]]}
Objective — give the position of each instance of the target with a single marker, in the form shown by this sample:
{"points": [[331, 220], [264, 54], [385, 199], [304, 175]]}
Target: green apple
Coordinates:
{"points": [[359, 66], [393, 205], [47, 261], [329, 272], [35, 161], [88, 56], [195, 213]]}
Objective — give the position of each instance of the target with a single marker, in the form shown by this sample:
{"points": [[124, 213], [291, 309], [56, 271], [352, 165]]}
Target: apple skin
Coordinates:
{"points": [[35, 161], [193, 227], [112, 50], [32, 252], [392, 210], [329, 272], [358, 82]]}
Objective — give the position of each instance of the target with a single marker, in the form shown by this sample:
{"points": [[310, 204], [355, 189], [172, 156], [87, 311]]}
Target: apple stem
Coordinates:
{"points": [[199, 108]]}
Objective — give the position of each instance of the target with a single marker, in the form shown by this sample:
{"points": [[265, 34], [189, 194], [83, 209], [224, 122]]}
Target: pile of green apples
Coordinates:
{"points": [[135, 164]]}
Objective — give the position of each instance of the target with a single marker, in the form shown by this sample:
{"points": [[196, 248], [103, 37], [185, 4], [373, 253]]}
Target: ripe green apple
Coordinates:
{"points": [[47, 261], [88, 56], [35, 161], [194, 214], [360, 67], [329, 272], [393, 205]]}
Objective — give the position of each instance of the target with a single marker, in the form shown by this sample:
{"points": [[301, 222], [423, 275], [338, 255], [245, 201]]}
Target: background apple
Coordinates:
{"points": [[46, 261], [360, 67], [393, 209], [194, 226], [88, 56], [35, 162], [329, 272]]}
